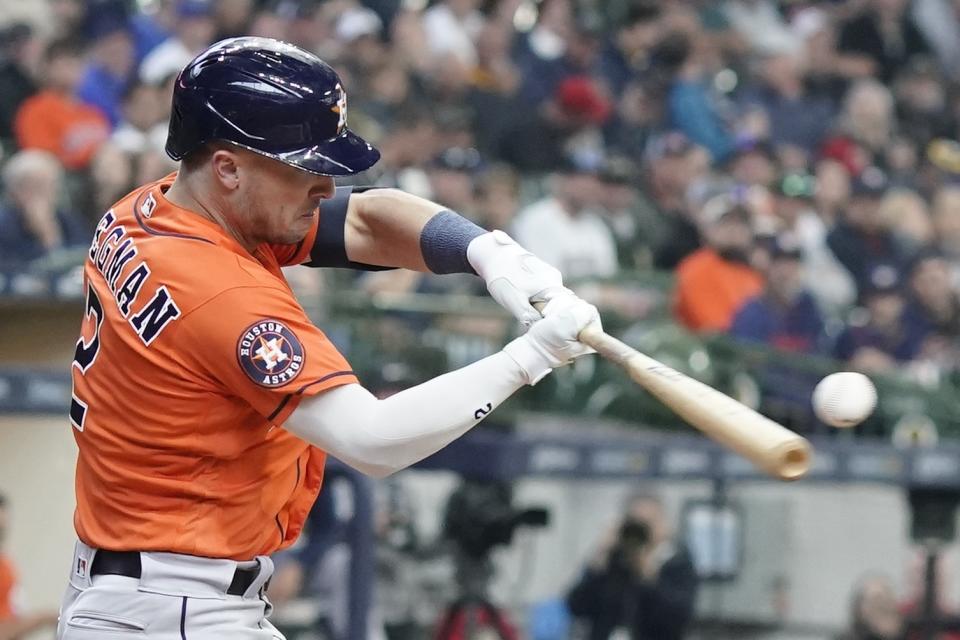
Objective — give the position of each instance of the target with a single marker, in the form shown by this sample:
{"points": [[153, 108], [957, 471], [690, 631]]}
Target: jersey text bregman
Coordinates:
{"points": [[110, 252]]}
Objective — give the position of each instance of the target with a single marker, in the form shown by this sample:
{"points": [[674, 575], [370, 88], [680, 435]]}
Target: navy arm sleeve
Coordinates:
{"points": [[330, 248]]}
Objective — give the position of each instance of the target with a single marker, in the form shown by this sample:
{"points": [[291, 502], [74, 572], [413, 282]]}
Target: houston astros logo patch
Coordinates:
{"points": [[270, 353]]}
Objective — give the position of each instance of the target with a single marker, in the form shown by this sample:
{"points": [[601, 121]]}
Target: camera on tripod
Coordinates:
{"points": [[481, 516]]}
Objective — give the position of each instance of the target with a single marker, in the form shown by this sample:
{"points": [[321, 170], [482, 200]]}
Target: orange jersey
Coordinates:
{"points": [[8, 586], [67, 128], [192, 353], [710, 290]]}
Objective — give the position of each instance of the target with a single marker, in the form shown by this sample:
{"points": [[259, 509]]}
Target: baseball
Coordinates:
{"points": [[844, 399]]}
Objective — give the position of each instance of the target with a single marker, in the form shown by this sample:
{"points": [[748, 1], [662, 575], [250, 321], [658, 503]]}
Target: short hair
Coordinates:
{"points": [[27, 161], [64, 48], [199, 156], [641, 12]]}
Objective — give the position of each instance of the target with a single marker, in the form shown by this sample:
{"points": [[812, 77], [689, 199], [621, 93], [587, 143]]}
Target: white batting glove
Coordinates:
{"points": [[552, 342], [515, 277]]}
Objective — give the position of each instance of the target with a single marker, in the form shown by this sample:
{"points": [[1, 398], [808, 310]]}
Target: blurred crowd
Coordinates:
{"points": [[794, 163]]}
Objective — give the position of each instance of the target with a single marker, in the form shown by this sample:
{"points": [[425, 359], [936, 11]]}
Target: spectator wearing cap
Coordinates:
{"points": [[620, 203], [112, 62], [627, 55], [193, 31], [53, 119], [860, 239], [713, 282], [785, 315], [538, 140], [564, 228], [881, 340], [672, 165], [20, 53], [31, 224], [752, 163], [884, 34], [933, 307], [824, 276]]}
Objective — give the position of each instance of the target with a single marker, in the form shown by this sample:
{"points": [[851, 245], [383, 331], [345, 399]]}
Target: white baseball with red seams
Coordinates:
{"points": [[844, 399]]}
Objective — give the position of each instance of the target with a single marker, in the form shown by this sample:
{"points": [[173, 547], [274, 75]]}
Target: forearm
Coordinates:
{"points": [[380, 437], [392, 228]]}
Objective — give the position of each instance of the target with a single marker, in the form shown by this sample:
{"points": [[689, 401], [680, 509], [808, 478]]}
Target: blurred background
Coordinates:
{"points": [[756, 192]]}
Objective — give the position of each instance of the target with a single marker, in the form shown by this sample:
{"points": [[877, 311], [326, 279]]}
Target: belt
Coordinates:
{"points": [[127, 563]]}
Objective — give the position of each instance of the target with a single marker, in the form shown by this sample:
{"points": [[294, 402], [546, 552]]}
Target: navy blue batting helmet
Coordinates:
{"points": [[269, 97]]}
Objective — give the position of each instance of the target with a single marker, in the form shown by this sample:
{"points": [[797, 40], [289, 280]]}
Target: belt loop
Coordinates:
{"points": [[83, 556], [264, 573]]}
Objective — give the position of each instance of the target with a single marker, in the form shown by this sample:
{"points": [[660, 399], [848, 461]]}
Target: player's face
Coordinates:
{"points": [[280, 202]]}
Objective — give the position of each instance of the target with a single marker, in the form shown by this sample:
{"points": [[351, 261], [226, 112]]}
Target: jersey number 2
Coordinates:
{"points": [[85, 355]]}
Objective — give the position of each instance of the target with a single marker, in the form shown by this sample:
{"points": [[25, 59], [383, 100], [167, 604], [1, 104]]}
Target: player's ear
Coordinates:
{"points": [[226, 168]]}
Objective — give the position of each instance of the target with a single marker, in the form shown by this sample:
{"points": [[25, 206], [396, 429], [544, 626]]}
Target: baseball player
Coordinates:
{"points": [[205, 402]]}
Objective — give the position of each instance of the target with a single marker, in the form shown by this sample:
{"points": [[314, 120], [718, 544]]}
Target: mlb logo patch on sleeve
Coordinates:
{"points": [[270, 353]]}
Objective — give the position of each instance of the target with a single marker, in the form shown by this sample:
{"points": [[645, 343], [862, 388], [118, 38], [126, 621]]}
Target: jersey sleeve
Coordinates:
{"points": [[258, 344]]}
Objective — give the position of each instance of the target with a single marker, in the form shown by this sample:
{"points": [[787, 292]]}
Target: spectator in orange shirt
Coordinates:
{"points": [[714, 281], [13, 624], [54, 119]]}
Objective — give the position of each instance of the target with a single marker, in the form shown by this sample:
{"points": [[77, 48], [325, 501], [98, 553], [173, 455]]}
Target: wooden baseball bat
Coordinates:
{"points": [[771, 446]]}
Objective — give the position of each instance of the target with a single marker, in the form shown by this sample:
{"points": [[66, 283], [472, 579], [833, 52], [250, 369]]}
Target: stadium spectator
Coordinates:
{"points": [[691, 101], [884, 34], [784, 315], [933, 308], [541, 53], [946, 222], [882, 340], [193, 30], [450, 27], [20, 53], [860, 238], [111, 63], [140, 128], [713, 282], [53, 119], [641, 581], [565, 228], [825, 278], [833, 186], [32, 225], [795, 115], [498, 198], [672, 164], [873, 611], [451, 176], [905, 214], [14, 623], [627, 55], [568, 124]]}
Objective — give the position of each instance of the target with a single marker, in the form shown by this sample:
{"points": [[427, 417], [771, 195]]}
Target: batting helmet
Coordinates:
{"points": [[269, 97]]}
